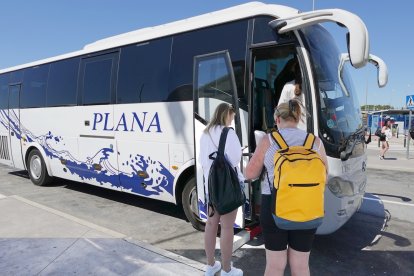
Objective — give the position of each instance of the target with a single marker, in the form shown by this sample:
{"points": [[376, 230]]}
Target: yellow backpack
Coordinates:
{"points": [[298, 185]]}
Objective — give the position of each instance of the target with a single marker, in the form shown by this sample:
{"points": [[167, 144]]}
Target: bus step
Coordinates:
{"points": [[245, 236]]}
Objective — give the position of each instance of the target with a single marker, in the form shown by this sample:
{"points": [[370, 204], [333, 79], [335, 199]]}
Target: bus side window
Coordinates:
{"points": [[4, 91]]}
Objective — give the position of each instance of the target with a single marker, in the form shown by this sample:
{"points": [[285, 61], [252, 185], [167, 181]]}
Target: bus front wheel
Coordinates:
{"points": [[190, 204], [37, 169]]}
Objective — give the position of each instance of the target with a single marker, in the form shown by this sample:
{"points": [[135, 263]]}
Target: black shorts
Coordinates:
{"points": [[277, 239]]}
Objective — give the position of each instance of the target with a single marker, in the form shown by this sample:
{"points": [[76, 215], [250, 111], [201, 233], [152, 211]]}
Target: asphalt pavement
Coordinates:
{"points": [[38, 240]]}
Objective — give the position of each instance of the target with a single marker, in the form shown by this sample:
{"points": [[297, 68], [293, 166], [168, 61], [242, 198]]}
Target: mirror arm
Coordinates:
{"points": [[357, 40], [344, 57]]}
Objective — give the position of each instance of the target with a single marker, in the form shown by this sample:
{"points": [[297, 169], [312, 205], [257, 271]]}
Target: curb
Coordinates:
{"points": [[88, 224], [167, 254], [397, 169]]}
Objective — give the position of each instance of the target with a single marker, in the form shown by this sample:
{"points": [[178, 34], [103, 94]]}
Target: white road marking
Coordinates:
{"points": [[70, 217], [389, 201]]}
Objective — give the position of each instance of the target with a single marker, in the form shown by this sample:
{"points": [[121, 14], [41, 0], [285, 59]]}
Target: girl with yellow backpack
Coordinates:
{"points": [[282, 244]]}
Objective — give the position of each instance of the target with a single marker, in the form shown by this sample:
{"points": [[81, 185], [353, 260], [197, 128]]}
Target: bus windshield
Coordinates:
{"points": [[339, 112]]}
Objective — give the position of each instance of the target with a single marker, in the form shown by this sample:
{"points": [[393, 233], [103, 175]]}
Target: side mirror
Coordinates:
{"points": [[369, 138], [382, 70]]}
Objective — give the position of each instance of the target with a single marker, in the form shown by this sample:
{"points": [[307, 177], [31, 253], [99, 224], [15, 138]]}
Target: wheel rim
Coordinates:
{"points": [[193, 201], [35, 167], [193, 204]]}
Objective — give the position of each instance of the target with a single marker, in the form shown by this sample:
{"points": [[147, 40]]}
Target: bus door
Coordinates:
{"points": [[5, 154], [97, 149], [213, 83], [269, 75], [14, 126], [271, 71]]}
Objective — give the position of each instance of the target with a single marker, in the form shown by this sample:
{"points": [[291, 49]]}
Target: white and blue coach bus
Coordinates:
{"points": [[126, 112]]}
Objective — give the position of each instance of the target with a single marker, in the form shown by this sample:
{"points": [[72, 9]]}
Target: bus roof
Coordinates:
{"points": [[205, 20]]}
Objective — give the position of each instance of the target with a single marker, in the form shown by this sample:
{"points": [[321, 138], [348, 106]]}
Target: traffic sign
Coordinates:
{"points": [[409, 102]]}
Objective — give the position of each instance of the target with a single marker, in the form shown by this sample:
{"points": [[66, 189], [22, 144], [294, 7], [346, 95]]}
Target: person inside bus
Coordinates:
{"points": [[286, 75], [282, 245], [222, 117], [293, 89], [385, 146]]}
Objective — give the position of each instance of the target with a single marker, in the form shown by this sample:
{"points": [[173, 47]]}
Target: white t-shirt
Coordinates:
{"points": [[232, 150], [388, 134], [288, 93]]}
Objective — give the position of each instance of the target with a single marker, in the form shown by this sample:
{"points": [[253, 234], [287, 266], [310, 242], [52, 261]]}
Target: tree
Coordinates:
{"points": [[371, 107]]}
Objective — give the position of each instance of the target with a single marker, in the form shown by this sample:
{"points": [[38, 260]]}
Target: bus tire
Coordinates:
{"points": [[190, 206], [36, 168]]}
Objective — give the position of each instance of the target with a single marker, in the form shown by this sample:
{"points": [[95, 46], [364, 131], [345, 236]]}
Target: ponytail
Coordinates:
{"points": [[289, 111]]}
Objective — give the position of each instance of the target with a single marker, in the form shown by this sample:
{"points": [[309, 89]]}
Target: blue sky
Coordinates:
{"points": [[33, 30]]}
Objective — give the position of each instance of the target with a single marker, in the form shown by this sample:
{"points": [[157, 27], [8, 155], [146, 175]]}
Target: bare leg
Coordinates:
{"points": [[226, 239], [382, 151], [386, 147], [299, 262], [275, 262], [210, 235], [382, 148]]}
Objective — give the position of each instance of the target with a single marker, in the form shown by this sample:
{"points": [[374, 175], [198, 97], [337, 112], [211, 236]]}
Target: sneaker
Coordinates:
{"points": [[233, 272], [212, 270], [381, 157]]}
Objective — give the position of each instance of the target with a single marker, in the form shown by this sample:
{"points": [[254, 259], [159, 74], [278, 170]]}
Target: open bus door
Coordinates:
{"points": [[213, 83]]}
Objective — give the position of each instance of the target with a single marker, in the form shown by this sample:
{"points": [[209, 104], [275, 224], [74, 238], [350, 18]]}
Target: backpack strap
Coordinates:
{"points": [[309, 141], [222, 143], [277, 137]]}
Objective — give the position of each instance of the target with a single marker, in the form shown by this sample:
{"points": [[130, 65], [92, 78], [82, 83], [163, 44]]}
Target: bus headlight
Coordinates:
{"points": [[340, 187]]}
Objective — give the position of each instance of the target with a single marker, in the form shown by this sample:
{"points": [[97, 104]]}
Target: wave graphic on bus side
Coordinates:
{"points": [[155, 181]]}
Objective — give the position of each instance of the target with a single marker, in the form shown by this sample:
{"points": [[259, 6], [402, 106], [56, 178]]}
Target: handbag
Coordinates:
{"points": [[379, 133]]}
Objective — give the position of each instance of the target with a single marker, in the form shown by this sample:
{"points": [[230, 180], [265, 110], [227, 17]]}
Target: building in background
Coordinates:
{"points": [[398, 117]]}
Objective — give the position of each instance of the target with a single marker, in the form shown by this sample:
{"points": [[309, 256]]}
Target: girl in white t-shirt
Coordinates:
{"points": [[223, 117], [385, 146]]}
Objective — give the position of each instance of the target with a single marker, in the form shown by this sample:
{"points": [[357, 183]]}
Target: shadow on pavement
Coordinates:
{"points": [[403, 198], [23, 174], [348, 251], [158, 206], [352, 251]]}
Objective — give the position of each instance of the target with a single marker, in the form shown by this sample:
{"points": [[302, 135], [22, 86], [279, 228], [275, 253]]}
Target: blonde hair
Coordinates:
{"points": [[220, 116], [289, 111]]}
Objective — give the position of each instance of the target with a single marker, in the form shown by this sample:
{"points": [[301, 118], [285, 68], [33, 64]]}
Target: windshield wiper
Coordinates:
{"points": [[348, 144]]}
